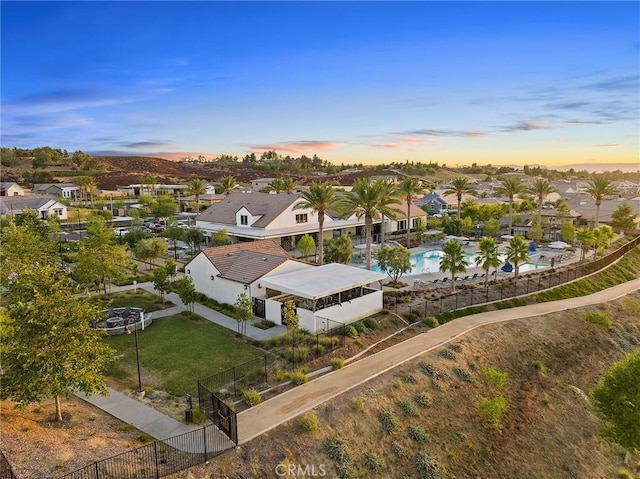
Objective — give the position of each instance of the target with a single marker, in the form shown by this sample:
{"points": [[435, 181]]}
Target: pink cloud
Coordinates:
{"points": [[606, 145], [296, 147]]}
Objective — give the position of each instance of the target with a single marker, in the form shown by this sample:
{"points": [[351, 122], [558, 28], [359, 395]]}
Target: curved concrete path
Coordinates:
{"points": [[280, 409]]}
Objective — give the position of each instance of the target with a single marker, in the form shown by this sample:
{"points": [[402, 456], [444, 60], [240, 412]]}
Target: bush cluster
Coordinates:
{"points": [[600, 318], [418, 434], [374, 462], [428, 467], [491, 409], [463, 375], [338, 450], [336, 363], [494, 377], [431, 321], [250, 396], [297, 377], [310, 423], [407, 408], [371, 323], [424, 400], [388, 420]]}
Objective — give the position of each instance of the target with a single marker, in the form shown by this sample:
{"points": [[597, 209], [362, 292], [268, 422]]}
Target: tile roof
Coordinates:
{"points": [[266, 205], [246, 262]]}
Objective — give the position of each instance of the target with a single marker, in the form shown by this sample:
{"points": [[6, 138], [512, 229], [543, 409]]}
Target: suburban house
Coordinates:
{"points": [[435, 204], [250, 216], [224, 272], [325, 296], [261, 183], [152, 190], [8, 188], [206, 200], [45, 206], [64, 190]]}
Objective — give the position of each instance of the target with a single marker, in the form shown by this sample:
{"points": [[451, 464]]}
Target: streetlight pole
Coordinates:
{"points": [[135, 334]]}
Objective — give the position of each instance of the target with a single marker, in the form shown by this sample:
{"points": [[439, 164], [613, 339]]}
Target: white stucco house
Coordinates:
{"points": [[44, 206], [11, 188], [325, 296], [64, 190]]}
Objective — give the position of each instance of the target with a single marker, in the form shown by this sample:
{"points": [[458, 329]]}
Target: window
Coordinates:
{"points": [[302, 218], [244, 220], [402, 224], [58, 212]]}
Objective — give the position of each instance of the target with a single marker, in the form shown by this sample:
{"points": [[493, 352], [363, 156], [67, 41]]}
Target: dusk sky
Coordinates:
{"points": [[453, 82]]}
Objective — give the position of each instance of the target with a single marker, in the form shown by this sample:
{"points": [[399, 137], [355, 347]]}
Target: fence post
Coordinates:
{"points": [[155, 455], [266, 378], [97, 471], [234, 380], [204, 442]]}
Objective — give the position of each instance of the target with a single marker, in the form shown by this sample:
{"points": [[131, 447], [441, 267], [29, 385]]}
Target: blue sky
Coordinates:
{"points": [[452, 82]]}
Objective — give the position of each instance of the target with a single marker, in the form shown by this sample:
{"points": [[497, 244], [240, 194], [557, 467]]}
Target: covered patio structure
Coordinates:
{"points": [[325, 296]]}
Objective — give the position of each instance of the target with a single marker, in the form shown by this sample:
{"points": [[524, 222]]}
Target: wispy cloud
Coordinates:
{"points": [[296, 147], [62, 100], [606, 145], [440, 133], [146, 144], [525, 125]]}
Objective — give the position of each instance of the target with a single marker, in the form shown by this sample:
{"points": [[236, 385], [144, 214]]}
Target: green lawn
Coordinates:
{"points": [[175, 352], [147, 301]]}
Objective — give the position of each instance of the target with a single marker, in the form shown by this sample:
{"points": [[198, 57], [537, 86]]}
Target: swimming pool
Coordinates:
{"points": [[429, 262]]}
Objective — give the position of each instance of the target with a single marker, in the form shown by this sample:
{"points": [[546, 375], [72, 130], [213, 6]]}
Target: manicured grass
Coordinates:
{"points": [[175, 352], [147, 301]]}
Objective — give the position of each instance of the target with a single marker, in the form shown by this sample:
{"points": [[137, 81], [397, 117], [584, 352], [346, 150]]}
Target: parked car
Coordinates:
{"points": [[157, 228]]}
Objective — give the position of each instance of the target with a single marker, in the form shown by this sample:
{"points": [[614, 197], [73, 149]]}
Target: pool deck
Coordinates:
{"points": [[424, 281]]}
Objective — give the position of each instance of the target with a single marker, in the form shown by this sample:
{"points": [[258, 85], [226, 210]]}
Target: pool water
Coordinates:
{"points": [[429, 262]]}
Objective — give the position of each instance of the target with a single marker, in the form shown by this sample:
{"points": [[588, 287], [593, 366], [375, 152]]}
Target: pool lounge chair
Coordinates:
{"points": [[435, 281], [445, 280]]}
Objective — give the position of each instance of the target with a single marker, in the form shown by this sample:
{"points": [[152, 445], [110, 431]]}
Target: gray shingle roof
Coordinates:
{"points": [[246, 262]]}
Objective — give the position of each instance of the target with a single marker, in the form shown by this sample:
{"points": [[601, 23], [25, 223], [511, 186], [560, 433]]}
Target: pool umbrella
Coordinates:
{"points": [[532, 246], [507, 267]]}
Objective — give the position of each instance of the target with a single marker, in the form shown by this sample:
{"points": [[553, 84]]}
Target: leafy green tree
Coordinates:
{"points": [[133, 237], [492, 227], [290, 318], [367, 199], [517, 253], [244, 310], [171, 268], [193, 237], [394, 261], [459, 186], [408, 190], [585, 239], [30, 219], [320, 197], [599, 188], [623, 218], [419, 228], [161, 282], [306, 245], [541, 188], [174, 234], [452, 225], [487, 256], [197, 187], [80, 158], [453, 260], [220, 238], [536, 233], [617, 401], [49, 349], [164, 208], [99, 260], [186, 291], [568, 231], [338, 250], [510, 188], [602, 236]]}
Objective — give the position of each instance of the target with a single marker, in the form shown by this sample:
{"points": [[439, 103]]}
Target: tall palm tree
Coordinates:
{"points": [[598, 189], [275, 185], [367, 199], [228, 184], [288, 185], [510, 187], [453, 260], [459, 187], [541, 188], [320, 197], [409, 189], [584, 237], [197, 187], [82, 182], [152, 182], [487, 256], [517, 252], [390, 190], [90, 186]]}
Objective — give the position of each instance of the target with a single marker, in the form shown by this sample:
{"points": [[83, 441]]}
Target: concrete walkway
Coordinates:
{"points": [[284, 407]]}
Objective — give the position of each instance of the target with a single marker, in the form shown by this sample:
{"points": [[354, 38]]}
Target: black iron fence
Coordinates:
{"points": [[244, 375], [437, 302], [159, 458], [5, 468]]}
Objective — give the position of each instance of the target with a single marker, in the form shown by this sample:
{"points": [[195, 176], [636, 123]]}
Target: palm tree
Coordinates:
{"points": [[90, 185], [197, 187], [487, 256], [510, 187], [390, 190], [367, 199], [320, 198], [584, 237], [598, 189], [459, 187], [409, 189], [453, 260], [228, 184], [275, 185], [601, 238], [288, 185], [517, 253], [541, 188], [82, 182]]}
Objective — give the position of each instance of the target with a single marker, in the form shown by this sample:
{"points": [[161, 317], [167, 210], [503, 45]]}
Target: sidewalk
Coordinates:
{"points": [[284, 407]]}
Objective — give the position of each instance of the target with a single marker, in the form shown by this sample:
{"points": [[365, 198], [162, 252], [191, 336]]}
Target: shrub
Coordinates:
{"points": [[431, 321], [428, 467], [491, 409], [409, 379], [447, 353], [358, 326], [494, 377], [357, 404], [374, 462], [418, 434], [388, 420], [398, 449], [463, 375], [310, 423], [600, 318], [297, 377], [336, 363], [358, 342], [298, 354], [371, 323], [350, 331], [125, 428], [624, 474], [408, 408], [398, 384], [250, 396], [539, 366], [337, 449], [144, 438], [455, 347], [424, 400], [200, 416]]}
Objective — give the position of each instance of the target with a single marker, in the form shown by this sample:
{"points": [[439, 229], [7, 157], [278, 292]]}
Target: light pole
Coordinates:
{"points": [[135, 333]]}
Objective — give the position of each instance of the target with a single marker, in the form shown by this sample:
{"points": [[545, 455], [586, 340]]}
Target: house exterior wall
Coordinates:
{"points": [[13, 190], [357, 308], [287, 218], [273, 311], [250, 218]]}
